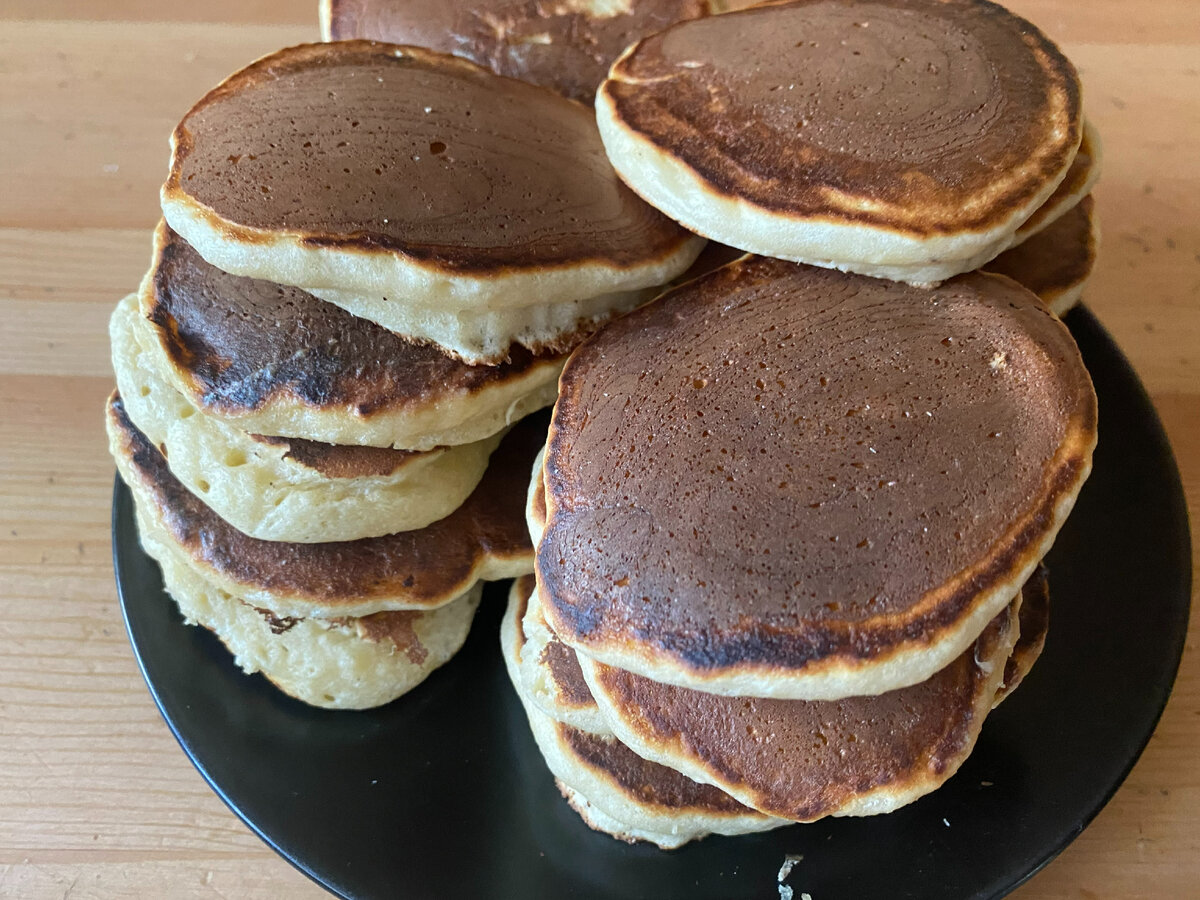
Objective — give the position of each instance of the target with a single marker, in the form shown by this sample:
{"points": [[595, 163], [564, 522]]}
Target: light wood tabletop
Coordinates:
{"points": [[96, 797]]}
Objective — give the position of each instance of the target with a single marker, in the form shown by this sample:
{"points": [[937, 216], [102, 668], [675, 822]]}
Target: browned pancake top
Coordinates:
{"points": [[941, 115], [566, 46], [650, 783], [243, 344], [374, 147], [427, 566], [805, 759], [340, 460], [1058, 258], [777, 465]]}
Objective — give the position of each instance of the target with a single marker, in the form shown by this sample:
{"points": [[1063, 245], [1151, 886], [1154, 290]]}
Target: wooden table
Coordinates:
{"points": [[96, 798]]}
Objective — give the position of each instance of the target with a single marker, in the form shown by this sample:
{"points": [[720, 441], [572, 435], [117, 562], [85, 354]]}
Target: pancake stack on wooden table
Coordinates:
{"points": [[790, 517], [373, 263]]}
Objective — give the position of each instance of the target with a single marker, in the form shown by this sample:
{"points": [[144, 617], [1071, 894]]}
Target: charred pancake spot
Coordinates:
{"points": [[245, 344]]}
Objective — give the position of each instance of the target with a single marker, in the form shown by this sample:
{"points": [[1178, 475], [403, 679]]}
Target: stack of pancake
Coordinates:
{"points": [[790, 518], [373, 264]]}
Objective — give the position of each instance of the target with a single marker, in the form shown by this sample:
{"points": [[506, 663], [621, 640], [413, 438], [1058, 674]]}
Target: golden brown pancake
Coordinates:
{"points": [[900, 138], [397, 171], [1056, 262], [785, 481], [276, 359], [805, 760], [484, 539], [565, 46]]}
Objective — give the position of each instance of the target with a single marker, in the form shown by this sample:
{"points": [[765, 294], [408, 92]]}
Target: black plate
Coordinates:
{"points": [[443, 793]]}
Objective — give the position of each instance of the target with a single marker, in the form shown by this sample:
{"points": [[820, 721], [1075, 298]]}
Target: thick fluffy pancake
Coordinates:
{"points": [[1057, 261], [785, 481], [1034, 621], [339, 663], [566, 47], [288, 489], [634, 798], [400, 172], [276, 360], [484, 539], [906, 139], [800, 760]]}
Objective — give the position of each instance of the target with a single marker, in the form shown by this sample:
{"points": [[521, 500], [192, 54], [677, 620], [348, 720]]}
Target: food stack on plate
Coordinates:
{"points": [[372, 265], [790, 518]]}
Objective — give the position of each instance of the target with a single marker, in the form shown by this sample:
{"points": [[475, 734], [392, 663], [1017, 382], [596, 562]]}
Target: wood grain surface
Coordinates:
{"points": [[96, 798]]}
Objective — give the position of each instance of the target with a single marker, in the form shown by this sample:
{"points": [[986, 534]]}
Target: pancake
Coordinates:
{"points": [[1056, 262], [339, 663], [552, 679], [276, 360], [613, 788], [483, 540], [905, 140], [1078, 183], [498, 197], [288, 489], [566, 47], [1034, 622], [784, 481], [548, 675], [802, 761]]}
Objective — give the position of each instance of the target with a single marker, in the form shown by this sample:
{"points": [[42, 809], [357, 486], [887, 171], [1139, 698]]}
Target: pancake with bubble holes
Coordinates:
{"points": [[275, 360], [612, 788], [905, 140], [566, 46], [485, 539], [785, 481], [804, 760], [1057, 262], [384, 171], [341, 663], [288, 489]]}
